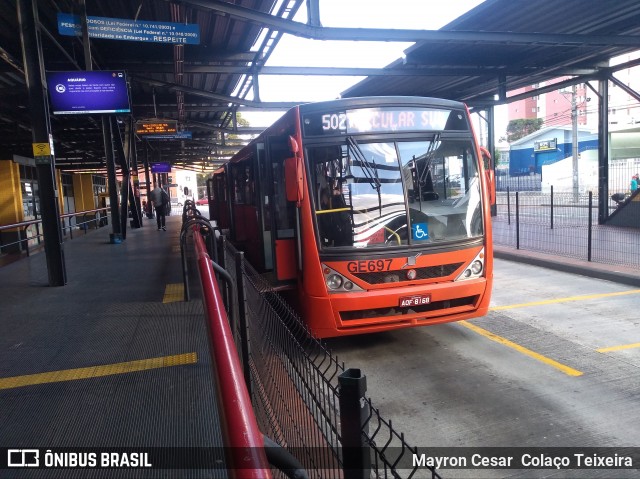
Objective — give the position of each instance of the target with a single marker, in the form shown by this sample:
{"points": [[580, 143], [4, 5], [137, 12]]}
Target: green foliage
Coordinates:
{"points": [[520, 128]]}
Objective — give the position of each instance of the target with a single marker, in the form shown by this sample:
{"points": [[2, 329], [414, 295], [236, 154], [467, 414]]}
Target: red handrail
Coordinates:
{"points": [[243, 440]]}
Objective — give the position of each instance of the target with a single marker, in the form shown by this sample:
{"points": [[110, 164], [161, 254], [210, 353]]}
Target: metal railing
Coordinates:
{"points": [[248, 452], [303, 396], [559, 224], [314, 413], [242, 438], [29, 234]]}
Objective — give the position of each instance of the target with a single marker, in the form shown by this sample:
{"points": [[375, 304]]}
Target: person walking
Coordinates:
{"points": [[634, 183], [160, 200]]}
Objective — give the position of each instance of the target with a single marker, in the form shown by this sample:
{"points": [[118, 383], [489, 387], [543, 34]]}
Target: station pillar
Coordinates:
{"points": [[11, 210]]}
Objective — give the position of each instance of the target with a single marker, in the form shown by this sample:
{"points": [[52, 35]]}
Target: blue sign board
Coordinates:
{"points": [[130, 30], [181, 135]]}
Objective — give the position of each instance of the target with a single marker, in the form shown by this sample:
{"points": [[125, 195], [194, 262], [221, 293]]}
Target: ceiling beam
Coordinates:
{"points": [[375, 34], [210, 95], [411, 71]]}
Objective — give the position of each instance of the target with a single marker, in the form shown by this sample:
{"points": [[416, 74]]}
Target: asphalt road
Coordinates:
{"points": [[555, 363]]}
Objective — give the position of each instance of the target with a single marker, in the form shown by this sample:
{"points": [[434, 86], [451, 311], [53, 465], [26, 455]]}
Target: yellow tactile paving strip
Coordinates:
{"points": [[173, 293], [98, 371]]}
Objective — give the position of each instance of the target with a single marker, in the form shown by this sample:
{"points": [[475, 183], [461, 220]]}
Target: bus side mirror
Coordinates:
{"points": [[293, 145], [293, 180], [490, 173]]}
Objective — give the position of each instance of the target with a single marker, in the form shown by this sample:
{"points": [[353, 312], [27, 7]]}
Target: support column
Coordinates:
{"points": [[83, 191], [11, 210], [603, 150], [42, 141], [491, 146], [125, 186], [133, 161], [116, 235]]}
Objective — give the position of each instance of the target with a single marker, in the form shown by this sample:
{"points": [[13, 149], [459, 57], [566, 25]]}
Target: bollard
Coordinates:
{"points": [[354, 412]]}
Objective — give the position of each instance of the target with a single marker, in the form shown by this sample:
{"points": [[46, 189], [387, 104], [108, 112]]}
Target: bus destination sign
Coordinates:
{"points": [[372, 120]]}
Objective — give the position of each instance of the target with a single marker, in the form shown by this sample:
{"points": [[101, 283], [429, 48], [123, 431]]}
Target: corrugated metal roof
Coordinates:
{"points": [[200, 85], [163, 82], [537, 40]]}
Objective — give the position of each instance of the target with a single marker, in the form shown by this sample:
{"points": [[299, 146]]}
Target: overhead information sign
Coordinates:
{"points": [[160, 167], [130, 30], [169, 127], [181, 135]]}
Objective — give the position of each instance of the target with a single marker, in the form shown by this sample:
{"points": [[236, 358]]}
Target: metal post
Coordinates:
{"points": [[185, 266], [508, 206], [313, 13], [221, 250], [115, 236], [551, 206], [491, 146], [517, 222], [42, 140], [125, 187], [574, 129], [242, 320], [354, 413], [136, 211], [590, 226], [603, 150]]}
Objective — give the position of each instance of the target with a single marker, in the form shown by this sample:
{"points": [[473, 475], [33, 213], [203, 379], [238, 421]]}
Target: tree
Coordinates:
{"points": [[520, 128]]}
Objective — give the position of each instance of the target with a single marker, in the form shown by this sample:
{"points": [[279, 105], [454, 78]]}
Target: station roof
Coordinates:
{"points": [[503, 45], [193, 84], [499, 46]]}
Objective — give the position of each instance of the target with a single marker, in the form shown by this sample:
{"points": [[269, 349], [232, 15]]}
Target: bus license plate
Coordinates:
{"points": [[416, 300]]}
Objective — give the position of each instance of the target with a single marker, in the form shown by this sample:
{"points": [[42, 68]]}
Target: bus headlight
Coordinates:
{"points": [[476, 267], [338, 283], [334, 281]]}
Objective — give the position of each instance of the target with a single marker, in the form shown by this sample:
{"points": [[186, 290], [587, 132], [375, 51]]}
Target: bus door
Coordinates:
{"points": [[265, 215], [281, 211]]}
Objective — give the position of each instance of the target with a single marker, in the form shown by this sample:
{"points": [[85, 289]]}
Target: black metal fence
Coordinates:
{"points": [[565, 225], [304, 398]]}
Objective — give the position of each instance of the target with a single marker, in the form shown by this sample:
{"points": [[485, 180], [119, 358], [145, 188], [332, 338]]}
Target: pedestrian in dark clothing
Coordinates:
{"points": [[160, 200]]}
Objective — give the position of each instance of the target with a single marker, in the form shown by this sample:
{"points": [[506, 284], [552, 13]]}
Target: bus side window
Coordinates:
{"points": [[283, 210]]}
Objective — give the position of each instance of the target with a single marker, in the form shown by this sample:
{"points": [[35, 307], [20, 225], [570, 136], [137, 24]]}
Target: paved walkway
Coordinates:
{"points": [[113, 359]]}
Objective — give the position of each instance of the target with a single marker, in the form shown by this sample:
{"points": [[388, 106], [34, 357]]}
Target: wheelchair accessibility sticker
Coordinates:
{"points": [[419, 231]]}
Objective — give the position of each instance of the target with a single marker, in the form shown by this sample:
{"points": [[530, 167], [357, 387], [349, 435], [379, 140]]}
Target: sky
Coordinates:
{"points": [[295, 51]]}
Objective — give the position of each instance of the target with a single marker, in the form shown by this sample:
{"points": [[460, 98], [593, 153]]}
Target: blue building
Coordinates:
{"points": [[546, 146]]}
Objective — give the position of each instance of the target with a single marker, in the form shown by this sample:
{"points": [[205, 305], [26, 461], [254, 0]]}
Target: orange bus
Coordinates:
{"points": [[370, 214]]}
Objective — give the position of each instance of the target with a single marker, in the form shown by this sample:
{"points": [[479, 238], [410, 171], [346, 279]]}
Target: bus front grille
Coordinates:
{"points": [[468, 301], [428, 272]]}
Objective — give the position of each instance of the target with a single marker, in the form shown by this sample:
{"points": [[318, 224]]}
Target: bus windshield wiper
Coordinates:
{"points": [[428, 156], [370, 173]]}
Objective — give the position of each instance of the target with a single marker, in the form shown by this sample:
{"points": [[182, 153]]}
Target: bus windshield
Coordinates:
{"points": [[373, 194]]}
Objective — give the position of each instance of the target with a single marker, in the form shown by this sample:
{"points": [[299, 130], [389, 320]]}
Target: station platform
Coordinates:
{"points": [[114, 359]]}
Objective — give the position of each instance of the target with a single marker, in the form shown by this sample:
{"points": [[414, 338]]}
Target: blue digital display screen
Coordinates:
{"points": [[89, 92], [161, 168]]}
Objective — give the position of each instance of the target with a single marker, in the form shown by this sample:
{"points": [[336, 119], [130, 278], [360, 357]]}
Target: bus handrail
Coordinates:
{"points": [[243, 440]]}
